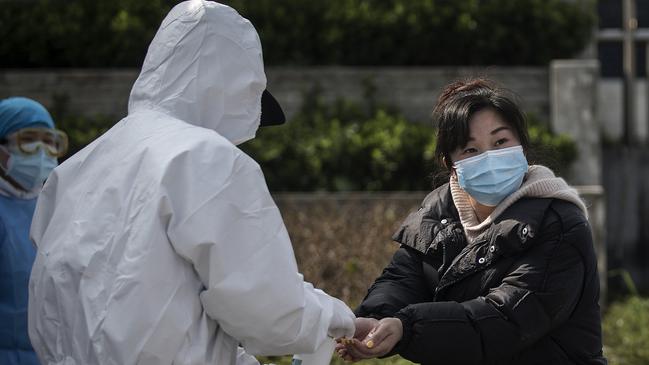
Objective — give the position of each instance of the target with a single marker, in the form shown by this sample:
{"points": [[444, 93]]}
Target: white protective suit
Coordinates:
{"points": [[159, 242]]}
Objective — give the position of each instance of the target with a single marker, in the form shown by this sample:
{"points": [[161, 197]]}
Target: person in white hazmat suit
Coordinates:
{"points": [[159, 242]]}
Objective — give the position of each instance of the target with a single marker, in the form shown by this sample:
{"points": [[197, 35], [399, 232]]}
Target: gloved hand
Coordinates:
{"points": [[342, 320]]}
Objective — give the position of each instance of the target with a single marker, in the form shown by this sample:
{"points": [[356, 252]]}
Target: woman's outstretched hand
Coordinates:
{"points": [[373, 338]]}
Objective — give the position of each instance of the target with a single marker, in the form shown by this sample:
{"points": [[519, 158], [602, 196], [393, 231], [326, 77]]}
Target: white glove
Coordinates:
{"points": [[342, 320]]}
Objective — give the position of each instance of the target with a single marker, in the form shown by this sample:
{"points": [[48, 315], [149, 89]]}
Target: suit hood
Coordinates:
{"points": [[205, 67]]}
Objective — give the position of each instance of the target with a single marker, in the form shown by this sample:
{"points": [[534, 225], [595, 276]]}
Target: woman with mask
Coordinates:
{"points": [[29, 146], [498, 265]]}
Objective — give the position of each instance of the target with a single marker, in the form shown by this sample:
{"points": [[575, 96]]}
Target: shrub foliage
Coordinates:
{"points": [[339, 147], [115, 33], [626, 332], [79, 33], [422, 32]]}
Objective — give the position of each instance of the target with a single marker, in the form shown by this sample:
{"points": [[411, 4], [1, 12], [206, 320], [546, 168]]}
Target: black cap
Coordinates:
{"points": [[271, 112]]}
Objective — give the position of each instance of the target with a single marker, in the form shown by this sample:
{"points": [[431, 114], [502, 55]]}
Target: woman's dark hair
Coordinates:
{"points": [[459, 102]]}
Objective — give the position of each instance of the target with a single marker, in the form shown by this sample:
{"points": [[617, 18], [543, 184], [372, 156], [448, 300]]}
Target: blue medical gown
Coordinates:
{"points": [[17, 255]]}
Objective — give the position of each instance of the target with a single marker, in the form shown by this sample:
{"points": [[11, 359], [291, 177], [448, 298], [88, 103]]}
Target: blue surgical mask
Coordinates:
{"points": [[493, 175], [30, 170]]}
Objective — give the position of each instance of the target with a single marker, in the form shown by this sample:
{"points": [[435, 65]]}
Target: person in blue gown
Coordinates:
{"points": [[29, 148]]}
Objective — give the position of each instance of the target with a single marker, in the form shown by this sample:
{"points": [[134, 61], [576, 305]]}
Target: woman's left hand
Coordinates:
{"points": [[379, 341]]}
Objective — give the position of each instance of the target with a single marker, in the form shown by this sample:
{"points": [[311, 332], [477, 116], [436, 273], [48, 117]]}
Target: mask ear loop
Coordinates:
{"points": [[7, 155]]}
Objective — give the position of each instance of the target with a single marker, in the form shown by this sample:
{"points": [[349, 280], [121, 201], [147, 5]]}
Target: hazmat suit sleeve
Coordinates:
{"points": [[224, 221]]}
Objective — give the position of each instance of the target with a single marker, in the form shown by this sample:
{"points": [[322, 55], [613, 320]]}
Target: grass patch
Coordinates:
{"points": [[286, 360], [626, 332]]}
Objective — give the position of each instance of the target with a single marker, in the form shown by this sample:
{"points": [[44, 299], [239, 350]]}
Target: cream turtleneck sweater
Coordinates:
{"points": [[539, 182]]}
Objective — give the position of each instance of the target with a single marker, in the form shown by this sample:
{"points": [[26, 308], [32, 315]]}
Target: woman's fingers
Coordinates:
{"points": [[385, 345], [339, 345], [355, 352], [360, 350], [382, 338], [379, 341], [364, 326], [376, 336], [341, 352], [345, 355]]}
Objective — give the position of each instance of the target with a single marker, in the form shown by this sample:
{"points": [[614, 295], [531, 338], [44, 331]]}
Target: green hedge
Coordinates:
{"points": [[109, 33], [79, 33], [422, 32], [339, 148]]}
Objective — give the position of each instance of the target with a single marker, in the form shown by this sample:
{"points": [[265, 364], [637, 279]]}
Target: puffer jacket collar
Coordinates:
{"points": [[435, 230], [421, 229]]}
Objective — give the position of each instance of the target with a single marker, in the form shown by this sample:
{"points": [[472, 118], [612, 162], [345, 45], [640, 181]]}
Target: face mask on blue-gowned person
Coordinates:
{"points": [[30, 170], [493, 175]]}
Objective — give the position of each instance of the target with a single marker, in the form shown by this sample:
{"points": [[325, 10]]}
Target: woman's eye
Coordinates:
{"points": [[469, 150], [501, 141]]}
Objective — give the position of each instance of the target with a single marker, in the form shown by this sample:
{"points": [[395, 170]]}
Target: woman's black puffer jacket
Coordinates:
{"points": [[525, 292]]}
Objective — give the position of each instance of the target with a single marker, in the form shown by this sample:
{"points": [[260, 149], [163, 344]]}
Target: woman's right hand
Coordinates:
{"points": [[380, 339], [363, 328]]}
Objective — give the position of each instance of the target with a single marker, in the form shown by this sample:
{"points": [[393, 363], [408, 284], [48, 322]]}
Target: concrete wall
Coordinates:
{"points": [[609, 97], [87, 92], [573, 90], [411, 90]]}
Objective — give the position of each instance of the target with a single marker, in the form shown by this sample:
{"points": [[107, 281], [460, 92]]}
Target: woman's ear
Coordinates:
{"points": [[449, 166]]}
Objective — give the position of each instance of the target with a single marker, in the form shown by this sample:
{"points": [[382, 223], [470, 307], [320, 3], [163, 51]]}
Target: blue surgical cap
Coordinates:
{"points": [[18, 112]]}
